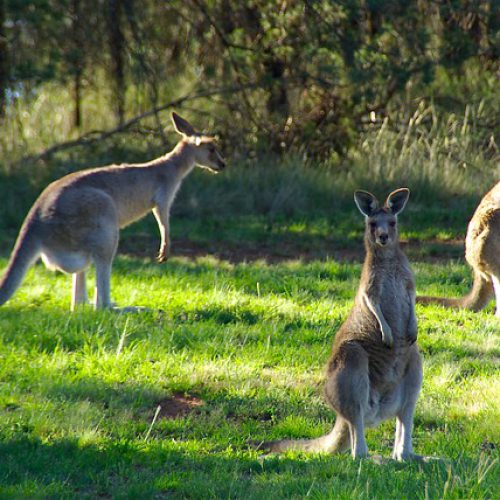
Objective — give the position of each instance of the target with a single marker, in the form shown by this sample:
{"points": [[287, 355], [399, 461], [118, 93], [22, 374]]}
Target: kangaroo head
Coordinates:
{"points": [[203, 146], [381, 222]]}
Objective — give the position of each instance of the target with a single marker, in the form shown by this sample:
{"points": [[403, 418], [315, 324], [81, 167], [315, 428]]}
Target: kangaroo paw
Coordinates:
{"points": [[162, 257], [387, 338], [412, 457]]}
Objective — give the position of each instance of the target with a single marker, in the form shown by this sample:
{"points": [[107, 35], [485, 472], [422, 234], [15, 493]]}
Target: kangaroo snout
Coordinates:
{"points": [[383, 238], [218, 166]]}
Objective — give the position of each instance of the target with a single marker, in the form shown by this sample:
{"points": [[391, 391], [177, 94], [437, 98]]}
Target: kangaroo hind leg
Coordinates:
{"points": [[79, 290], [103, 260], [409, 391], [348, 390], [359, 448]]}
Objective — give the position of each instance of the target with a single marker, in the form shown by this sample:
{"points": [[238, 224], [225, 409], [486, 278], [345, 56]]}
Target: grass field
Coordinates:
{"points": [[163, 403]]}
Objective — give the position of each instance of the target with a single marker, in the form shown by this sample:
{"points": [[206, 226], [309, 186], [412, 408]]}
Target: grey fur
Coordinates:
{"points": [[375, 371], [76, 220], [482, 252]]}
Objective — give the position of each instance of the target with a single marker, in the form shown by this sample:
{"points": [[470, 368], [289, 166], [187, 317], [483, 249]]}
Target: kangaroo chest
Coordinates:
{"points": [[132, 208], [133, 196], [395, 302]]}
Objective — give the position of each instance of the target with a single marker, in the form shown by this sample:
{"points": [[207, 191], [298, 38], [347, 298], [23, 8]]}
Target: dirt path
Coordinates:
{"points": [[428, 251]]}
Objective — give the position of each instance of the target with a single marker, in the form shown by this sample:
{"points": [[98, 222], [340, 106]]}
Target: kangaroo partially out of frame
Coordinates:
{"points": [[375, 371], [482, 252], [76, 220]]}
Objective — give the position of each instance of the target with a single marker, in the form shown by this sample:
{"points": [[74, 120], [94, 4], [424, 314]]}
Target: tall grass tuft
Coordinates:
{"points": [[452, 153]]}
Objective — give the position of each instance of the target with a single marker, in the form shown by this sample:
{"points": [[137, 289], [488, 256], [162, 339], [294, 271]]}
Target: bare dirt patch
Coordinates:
{"points": [[272, 253], [179, 405]]}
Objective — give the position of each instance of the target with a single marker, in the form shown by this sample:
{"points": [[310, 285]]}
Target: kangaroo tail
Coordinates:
{"points": [[26, 250], [443, 301], [335, 442], [477, 299]]}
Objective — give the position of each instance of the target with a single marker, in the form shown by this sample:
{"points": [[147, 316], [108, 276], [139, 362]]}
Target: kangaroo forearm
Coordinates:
{"points": [[162, 218], [164, 245], [375, 309]]}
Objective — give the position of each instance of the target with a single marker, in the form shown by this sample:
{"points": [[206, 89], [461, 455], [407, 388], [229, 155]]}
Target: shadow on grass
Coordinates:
{"points": [[119, 395], [66, 466], [219, 415], [114, 468], [193, 455], [460, 352], [140, 400]]}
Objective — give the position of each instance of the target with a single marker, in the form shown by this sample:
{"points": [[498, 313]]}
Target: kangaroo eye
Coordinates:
{"points": [[392, 223], [373, 225]]}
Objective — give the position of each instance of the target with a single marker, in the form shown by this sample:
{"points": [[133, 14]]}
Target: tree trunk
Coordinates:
{"points": [[4, 65], [77, 99], [78, 63], [116, 49]]}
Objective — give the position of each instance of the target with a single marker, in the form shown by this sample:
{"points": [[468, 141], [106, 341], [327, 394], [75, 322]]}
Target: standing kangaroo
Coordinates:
{"points": [[76, 220], [482, 251], [375, 371]]}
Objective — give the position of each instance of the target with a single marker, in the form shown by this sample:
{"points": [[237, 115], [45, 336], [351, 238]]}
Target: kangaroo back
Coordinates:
{"points": [[482, 248], [26, 251]]}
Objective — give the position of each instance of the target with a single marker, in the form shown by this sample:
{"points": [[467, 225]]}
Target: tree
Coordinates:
{"points": [[77, 62], [116, 51], [308, 75], [4, 64]]}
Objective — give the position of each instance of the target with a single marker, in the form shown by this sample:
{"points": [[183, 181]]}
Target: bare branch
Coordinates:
{"points": [[100, 135]]}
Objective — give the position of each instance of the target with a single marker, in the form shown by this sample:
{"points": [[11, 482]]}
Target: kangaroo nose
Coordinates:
{"points": [[383, 238]]}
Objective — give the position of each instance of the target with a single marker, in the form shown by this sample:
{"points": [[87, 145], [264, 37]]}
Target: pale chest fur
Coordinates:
{"points": [[394, 298]]}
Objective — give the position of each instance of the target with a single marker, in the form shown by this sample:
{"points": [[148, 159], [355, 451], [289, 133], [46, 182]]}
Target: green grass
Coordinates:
{"points": [[266, 262], [249, 341]]}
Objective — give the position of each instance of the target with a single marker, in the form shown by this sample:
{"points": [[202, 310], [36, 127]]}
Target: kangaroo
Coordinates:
{"points": [[482, 252], [76, 220], [375, 370]]}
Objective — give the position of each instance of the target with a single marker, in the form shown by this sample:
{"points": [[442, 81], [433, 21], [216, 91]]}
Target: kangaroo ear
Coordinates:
{"points": [[366, 202], [181, 125], [396, 201]]}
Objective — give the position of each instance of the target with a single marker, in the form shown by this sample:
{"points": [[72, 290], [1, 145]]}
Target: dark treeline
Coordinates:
{"points": [[296, 74]]}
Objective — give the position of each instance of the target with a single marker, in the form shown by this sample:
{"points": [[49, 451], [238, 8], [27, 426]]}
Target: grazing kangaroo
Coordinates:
{"points": [[76, 219], [375, 371], [482, 252]]}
